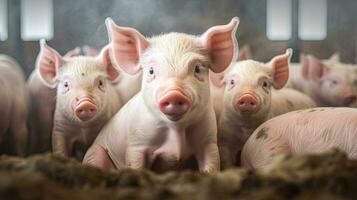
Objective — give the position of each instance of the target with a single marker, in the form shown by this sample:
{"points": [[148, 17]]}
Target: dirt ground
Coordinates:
{"points": [[326, 176]]}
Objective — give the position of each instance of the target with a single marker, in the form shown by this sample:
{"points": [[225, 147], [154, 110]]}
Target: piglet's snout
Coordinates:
{"points": [[85, 109], [247, 103], [174, 104], [349, 99]]}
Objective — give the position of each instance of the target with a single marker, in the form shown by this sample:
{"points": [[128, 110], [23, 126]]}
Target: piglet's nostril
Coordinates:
{"points": [[350, 99]]}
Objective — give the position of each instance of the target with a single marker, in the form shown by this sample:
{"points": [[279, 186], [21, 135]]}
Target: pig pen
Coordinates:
{"points": [[326, 176]]}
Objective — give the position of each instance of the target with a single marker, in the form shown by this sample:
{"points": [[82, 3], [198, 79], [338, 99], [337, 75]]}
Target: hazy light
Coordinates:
{"points": [[3, 20], [36, 19], [279, 18], [312, 19]]}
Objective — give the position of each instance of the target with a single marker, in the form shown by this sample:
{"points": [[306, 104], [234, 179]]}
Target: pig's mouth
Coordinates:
{"points": [[174, 104], [85, 109]]}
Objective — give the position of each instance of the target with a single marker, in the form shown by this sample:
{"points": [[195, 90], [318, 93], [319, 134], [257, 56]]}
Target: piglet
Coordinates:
{"points": [[13, 106], [249, 96], [302, 132], [328, 82], [171, 120], [42, 108], [85, 97]]}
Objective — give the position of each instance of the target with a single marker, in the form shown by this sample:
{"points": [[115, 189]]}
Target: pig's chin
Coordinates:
{"points": [[249, 118], [174, 118]]}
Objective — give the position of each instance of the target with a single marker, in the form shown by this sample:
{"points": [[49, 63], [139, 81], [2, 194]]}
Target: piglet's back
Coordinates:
{"points": [[307, 131]]}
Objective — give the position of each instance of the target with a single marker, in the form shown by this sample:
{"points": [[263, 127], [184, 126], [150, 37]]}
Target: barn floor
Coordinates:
{"points": [[327, 176]]}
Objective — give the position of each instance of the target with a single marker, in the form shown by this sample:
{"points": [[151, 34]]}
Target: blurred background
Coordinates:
{"points": [[320, 27]]}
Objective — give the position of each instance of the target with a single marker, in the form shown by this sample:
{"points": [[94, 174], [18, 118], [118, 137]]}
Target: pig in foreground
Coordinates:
{"points": [[248, 95], [85, 98], [328, 82], [171, 119], [13, 106], [302, 132], [43, 103]]}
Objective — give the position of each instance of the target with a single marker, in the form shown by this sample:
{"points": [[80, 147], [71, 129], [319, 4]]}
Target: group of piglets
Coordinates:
{"points": [[177, 101]]}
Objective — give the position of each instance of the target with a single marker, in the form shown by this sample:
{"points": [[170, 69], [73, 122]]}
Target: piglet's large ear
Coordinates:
{"points": [[217, 79], [304, 63], [222, 45], [127, 46], [74, 52], [49, 61], [89, 51], [245, 53], [315, 68], [279, 66], [335, 57], [104, 56]]}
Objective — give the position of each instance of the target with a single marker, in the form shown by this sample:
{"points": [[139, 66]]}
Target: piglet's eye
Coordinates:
{"points": [[265, 84], [232, 82], [100, 83], [334, 82], [151, 71], [66, 86], [197, 69]]}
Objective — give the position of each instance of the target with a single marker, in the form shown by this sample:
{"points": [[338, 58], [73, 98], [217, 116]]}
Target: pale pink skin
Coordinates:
{"points": [[82, 83], [302, 132], [256, 82], [13, 104], [127, 85], [329, 82], [43, 103], [146, 133]]}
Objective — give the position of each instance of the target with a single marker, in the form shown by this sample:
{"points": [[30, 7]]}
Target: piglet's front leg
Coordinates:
{"points": [[59, 143], [97, 156], [225, 157], [208, 158], [135, 158]]}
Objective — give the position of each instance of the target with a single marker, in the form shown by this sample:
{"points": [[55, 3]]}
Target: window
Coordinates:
{"points": [[3, 20], [36, 19], [312, 19], [279, 18]]}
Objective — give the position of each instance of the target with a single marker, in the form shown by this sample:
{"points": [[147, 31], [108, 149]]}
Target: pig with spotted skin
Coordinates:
{"points": [[85, 97], [13, 106], [171, 120], [329, 82], [302, 132], [251, 94]]}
